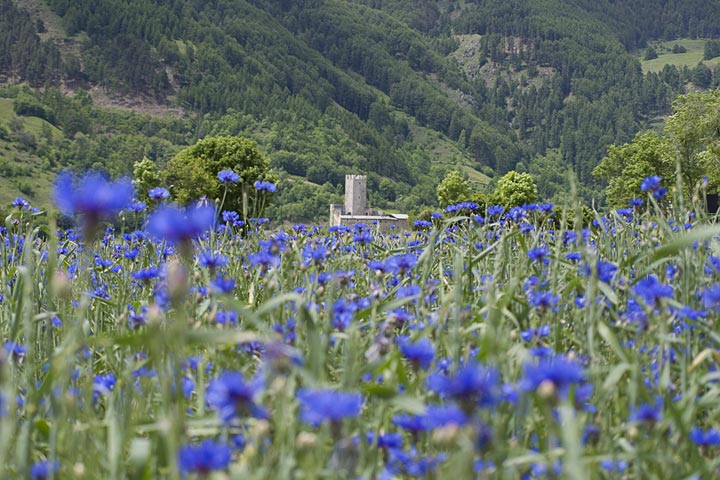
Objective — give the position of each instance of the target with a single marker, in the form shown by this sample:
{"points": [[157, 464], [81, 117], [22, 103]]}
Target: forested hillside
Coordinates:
{"points": [[403, 91]]}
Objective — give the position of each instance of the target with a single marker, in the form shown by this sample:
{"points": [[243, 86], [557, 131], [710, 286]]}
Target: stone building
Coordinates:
{"points": [[355, 209]]}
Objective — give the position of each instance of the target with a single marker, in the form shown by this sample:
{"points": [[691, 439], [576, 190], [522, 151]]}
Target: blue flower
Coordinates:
{"points": [[648, 414], [711, 298], [159, 193], [175, 224], [705, 438], [43, 469], [538, 254], [651, 290], [401, 264], [204, 458], [652, 184], [21, 203], [261, 185], [228, 176], [234, 397], [92, 195], [472, 384], [420, 353], [208, 259], [318, 406], [560, 372]]}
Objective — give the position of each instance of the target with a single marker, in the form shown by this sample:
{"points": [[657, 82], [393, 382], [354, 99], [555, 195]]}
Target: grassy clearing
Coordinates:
{"points": [[691, 58]]}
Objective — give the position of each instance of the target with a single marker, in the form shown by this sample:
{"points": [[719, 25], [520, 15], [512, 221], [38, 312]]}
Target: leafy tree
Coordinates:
{"points": [[453, 189], [193, 172], [145, 176], [702, 75], [712, 49], [515, 189], [677, 48], [650, 54], [625, 166]]}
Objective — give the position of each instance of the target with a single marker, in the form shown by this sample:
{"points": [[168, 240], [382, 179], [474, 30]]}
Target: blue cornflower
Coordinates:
{"points": [[20, 202], [261, 185], [317, 406], [43, 469], [636, 202], [92, 195], [651, 290], [159, 193], [234, 397], [210, 260], [176, 224], [646, 413], [652, 184], [542, 300], [204, 458], [228, 176], [705, 438], [401, 264], [438, 416], [422, 224], [711, 298], [264, 260], [231, 217], [420, 353], [223, 284], [538, 254], [385, 440], [614, 466], [495, 210], [472, 384], [559, 371], [103, 384], [535, 333]]}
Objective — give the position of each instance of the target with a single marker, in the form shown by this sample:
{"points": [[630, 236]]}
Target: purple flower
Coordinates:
{"points": [[204, 458], [176, 224], [234, 397], [228, 176], [317, 406]]}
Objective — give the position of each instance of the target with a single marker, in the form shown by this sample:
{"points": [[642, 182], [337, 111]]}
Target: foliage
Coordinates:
{"points": [[650, 54], [712, 49], [515, 189], [625, 167], [146, 175], [453, 189], [193, 172]]}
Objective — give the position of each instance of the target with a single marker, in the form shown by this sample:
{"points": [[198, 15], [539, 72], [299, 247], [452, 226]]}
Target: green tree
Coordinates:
{"points": [[453, 189], [650, 54], [625, 166], [145, 176], [193, 172], [712, 49], [515, 189]]}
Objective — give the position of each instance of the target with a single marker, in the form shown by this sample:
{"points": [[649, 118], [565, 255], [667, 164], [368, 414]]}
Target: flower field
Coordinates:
{"points": [[486, 344]]}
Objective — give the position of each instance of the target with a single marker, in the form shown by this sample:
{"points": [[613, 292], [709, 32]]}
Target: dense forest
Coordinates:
{"points": [[402, 91]]}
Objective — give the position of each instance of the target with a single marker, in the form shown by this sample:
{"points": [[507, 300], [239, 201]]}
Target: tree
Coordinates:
{"points": [[145, 176], [625, 166], [702, 75], [515, 189], [193, 172], [453, 189], [712, 49], [650, 54]]}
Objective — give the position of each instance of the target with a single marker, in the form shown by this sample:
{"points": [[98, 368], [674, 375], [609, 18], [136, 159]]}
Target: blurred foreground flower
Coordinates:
{"points": [[92, 196], [177, 224], [317, 406], [204, 458]]}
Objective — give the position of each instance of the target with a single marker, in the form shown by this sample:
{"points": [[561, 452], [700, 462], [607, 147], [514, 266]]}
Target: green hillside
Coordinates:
{"points": [[690, 58], [401, 91]]}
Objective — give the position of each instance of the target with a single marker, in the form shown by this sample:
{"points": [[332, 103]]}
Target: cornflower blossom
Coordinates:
{"points": [[228, 176], [709, 438], [652, 184], [651, 290], [234, 397], [204, 458], [262, 185], [93, 197], [472, 385], [43, 469], [176, 224], [401, 264], [558, 372], [21, 203], [318, 406], [420, 353], [159, 193]]}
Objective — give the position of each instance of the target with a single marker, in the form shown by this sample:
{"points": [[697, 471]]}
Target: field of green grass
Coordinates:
{"points": [[22, 173], [691, 58]]}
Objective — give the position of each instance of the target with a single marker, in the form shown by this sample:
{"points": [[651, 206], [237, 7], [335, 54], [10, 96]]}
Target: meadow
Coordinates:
{"points": [[495, 343]]}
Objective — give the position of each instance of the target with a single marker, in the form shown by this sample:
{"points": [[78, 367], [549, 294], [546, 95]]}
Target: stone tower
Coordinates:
{"points": [[355, 194]]}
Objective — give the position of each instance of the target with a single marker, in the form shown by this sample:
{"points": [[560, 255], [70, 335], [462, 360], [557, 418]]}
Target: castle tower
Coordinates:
{"points": [[355, 194]]}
